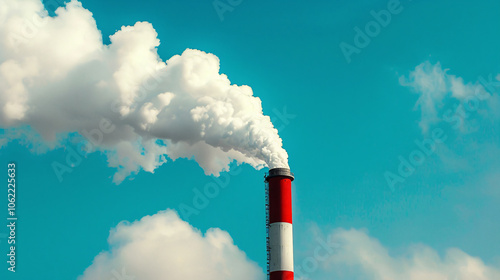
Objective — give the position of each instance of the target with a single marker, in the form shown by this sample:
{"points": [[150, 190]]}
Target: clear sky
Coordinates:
{"points": [[350, 109]]}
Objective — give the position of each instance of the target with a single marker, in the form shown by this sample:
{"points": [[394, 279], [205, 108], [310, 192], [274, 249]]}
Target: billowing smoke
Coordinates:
{"points": [[59, 79]]}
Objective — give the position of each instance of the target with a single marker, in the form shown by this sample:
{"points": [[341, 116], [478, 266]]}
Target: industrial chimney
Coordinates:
{"points": [[279, 224]]}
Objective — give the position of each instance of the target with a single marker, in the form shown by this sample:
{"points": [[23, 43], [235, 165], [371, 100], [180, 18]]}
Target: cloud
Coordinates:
{"points": [[361, 256], [429, 82], [58, 78], [3, 142], [468, 112], [438, 90], [162, 246]]}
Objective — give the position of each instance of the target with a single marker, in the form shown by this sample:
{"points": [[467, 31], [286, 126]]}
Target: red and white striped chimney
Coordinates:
{"points": [[279, 224]]}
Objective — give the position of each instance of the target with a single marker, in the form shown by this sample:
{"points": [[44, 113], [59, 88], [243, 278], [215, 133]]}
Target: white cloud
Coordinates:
{"points": [[429, 82], [57, 77], [438, 90], [163, 246], [467, 112], [29, 138], [360, 256]]}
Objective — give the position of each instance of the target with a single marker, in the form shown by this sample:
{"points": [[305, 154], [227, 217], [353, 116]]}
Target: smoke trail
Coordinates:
{"points": [[57, 77]]}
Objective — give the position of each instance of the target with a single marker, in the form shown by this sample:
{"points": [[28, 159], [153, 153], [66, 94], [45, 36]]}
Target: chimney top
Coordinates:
{"points": [[279, 172]]}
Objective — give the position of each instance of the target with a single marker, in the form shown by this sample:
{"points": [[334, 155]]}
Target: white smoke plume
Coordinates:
{"points": [[58, 78]]}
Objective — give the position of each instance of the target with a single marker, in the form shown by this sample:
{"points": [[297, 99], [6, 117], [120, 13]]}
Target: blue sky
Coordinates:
{"points": [[344, 125]]}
